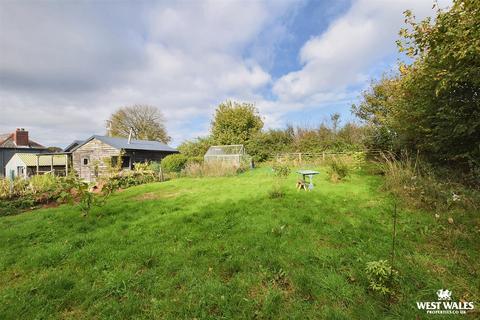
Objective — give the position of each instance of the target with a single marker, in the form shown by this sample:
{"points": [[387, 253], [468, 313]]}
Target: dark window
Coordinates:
{"points": [[85, 161], [125, 161]]}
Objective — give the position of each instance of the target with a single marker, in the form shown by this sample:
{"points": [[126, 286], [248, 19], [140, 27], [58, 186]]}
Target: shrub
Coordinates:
{"points": [[338, 170], [281, 172], [382, 277], [174, 162]]}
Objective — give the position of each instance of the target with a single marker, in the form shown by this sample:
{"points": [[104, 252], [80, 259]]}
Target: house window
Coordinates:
{"points": [[85, 161]]}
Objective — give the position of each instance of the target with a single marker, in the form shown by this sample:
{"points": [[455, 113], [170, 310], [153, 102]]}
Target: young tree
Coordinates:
{"points": [[235, 123], [335, 117], [146, 123]]}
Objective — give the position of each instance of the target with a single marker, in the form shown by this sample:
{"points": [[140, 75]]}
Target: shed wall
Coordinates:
{"points": [[95, 151]]}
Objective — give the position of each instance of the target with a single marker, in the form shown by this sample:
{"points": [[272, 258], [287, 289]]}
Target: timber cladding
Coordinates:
{"points": [[89, 159]]}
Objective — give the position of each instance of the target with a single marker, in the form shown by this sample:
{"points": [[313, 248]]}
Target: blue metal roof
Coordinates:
{"points": [[122, 143]]}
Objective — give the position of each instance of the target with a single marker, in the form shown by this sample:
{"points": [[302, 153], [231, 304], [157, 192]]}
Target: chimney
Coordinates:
{"points": [[21, 137], [130, 135]]}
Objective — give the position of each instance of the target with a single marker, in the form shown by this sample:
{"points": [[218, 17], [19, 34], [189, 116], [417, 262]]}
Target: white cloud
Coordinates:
{"points": [[68, 66], [341, 56]]}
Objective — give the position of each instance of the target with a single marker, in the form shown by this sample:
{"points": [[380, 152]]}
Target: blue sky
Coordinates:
{"points": [[66, 66]]}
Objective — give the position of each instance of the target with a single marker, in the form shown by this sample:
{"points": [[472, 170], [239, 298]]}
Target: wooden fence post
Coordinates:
{"points": [[160, 173]]}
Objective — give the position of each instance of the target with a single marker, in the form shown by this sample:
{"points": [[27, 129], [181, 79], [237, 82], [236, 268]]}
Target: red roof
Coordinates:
{"points": [[7, 141]]}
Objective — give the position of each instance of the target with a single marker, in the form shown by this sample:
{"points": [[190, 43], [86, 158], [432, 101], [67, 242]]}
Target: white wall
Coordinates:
{"points": [[14, 162]]}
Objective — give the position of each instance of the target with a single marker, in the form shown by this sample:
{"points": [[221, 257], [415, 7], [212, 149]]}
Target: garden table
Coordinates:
{"points": [[309, 174]]}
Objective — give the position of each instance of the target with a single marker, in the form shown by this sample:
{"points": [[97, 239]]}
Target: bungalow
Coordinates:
{"points": [[16, 142], [88, 157], [28, 164]]}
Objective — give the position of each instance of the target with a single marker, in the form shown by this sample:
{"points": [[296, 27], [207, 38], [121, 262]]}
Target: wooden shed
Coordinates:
{"points": [[90, 157]]}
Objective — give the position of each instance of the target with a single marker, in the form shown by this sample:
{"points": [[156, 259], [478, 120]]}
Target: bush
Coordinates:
{"points": [[338, 170], [174, 162], [382, 277], [197, 160]]}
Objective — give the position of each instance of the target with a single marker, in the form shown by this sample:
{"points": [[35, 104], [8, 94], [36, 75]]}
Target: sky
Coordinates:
{"points": [[65, 66]]}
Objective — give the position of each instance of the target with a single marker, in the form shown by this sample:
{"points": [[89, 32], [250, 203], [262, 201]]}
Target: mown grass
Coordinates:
{"points": [[210, 248]]}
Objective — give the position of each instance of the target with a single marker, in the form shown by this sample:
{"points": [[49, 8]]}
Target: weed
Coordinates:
{"points": [[382, 277]]}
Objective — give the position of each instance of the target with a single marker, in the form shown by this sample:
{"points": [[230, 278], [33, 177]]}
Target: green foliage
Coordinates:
{"points": [[281, 170], [142, 173], [264, 145], [155, 166], [432, 105], [114, 164], [174, 162], [197, 160], [382, 277], [42, 189], [197, 147], [235, 123], [87, 199], [146, 123], [338, 169]]}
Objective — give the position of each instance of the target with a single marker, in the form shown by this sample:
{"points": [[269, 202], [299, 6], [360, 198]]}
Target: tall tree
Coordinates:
{"points": [[146, 123], [433, 104], [235, 123]]}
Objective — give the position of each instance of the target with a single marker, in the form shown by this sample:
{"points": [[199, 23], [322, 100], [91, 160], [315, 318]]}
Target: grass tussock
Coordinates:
{"points": [[418, 185], [338, 170]]}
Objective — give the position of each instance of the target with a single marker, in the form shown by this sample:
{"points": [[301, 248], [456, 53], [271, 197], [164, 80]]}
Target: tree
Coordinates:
{"points": [[196, 147], [264, 145], [235, 123], [432, 106], [335, 117], [146, 123]]}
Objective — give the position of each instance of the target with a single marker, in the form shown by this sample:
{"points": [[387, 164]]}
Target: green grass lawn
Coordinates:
{"points": [[221, 248]]}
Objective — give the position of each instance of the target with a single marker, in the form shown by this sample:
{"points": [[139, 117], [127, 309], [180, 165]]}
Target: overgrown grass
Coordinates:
{"points": [[420, 187], [210, 248], [211, 169]]}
